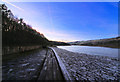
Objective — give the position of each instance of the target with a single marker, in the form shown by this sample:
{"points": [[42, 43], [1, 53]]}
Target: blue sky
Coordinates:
{"points": [[70, 21]]}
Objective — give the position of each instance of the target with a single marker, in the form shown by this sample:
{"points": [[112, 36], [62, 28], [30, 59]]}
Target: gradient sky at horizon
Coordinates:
{"points": [[70, 21]]}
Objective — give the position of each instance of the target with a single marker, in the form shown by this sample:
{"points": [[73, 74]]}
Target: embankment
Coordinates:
{"points": [[89, 67], [16, 49]]}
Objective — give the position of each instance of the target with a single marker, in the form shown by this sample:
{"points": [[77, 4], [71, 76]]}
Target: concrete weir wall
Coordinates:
{"points": [[10, 50]]}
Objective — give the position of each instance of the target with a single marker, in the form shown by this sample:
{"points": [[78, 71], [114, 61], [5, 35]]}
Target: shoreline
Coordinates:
{"points": [[116, 57], [100, 46], [93, 46], [89, 67]]}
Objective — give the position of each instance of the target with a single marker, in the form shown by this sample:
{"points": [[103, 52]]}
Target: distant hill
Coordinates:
{"points": [[109, 42], [56, 43]]}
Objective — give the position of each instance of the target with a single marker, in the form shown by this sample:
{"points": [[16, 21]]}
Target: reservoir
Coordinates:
{"points": [[92, 50]]}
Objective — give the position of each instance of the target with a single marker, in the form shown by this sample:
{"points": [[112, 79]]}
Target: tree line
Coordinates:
{"points": [[15, 32]]}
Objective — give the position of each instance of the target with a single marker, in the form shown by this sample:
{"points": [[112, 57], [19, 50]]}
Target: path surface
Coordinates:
{"points": [[51, 69], [38, 65]]}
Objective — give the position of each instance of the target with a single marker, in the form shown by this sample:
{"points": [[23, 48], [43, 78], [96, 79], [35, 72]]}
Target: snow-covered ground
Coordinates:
{"points": [[89, 67]]}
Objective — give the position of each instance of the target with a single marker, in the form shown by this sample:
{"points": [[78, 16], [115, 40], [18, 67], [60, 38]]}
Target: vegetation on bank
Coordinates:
{"points": [[110, 42], [15, 32]]}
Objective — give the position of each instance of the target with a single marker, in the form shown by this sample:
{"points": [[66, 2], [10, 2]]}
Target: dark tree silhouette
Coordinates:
{"points": [[17, 33]]}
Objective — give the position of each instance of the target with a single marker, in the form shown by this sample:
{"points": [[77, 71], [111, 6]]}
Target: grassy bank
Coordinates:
{"points": [[110, 42]]}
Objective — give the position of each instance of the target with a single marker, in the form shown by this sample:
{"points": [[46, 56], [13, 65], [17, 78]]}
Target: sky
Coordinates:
{"points": [[70, 21]]}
